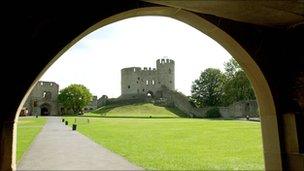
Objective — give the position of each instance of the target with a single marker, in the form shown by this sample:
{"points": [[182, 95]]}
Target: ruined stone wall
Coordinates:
{"points": [[92, 105], [137, 81], [102, 101], [244, 108], [180, 101]]}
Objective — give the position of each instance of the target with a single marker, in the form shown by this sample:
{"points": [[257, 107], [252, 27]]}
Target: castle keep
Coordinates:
{"points": [[147, 81]]}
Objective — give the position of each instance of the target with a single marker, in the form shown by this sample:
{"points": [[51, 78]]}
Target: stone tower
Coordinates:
{"points": [[43, 99], [165, 71], [146, 81]]}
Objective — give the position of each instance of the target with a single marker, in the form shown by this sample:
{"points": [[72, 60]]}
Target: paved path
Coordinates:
{"points": [[57, 147]]}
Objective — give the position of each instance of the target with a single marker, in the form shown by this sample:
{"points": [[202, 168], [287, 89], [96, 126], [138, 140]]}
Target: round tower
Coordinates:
{"points": [[166, 76], [130, 80]]}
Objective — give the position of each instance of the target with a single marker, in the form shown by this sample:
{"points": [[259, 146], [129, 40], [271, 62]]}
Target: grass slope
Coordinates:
{"points": [[136, 110], [179, 143], [27, 129]]}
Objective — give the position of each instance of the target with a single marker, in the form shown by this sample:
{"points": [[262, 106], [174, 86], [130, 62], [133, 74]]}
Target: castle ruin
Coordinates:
{"points": [[156, 85], [43, 101], [147, 81]]}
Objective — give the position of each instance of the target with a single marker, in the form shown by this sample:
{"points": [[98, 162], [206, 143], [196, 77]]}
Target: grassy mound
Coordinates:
{"points": [[136, 110]]}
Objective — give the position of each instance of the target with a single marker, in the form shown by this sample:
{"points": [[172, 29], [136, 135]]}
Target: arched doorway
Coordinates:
{"points": [[45, 109], [149, 94], [263, 93]]}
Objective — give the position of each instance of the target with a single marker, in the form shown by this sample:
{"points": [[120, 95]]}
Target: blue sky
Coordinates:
{"points": [[96, 60]]}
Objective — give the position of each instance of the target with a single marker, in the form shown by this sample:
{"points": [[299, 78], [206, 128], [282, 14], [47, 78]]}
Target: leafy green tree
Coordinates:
{"points": [[208, 89], [231, 67], [237, 86], [75, 97]]}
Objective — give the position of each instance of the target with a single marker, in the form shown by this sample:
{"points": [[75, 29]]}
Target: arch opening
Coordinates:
{"points": [[261, 88], [149, 94], [45, 109]]}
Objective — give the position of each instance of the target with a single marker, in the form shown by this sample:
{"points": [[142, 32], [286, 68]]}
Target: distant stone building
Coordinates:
{"points": [[43, 101], [147, 81], [157, 85], [92, 105], [102, 101]]}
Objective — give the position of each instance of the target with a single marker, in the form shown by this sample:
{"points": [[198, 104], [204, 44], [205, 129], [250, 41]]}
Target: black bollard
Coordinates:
{"points": [[74, 127], [62, 120], [36, 116], [66, 123]]}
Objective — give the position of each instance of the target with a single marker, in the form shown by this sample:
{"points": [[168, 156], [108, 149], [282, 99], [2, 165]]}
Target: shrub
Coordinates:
{"points": [[214, 112]]}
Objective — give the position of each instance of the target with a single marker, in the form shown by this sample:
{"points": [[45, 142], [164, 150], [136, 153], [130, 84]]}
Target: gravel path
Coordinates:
{"points": [[57, 147]]}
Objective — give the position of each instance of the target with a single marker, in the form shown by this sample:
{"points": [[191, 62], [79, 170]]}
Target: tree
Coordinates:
{"points": [[75, 97], [237, 87], [231, 67], [208, 89]]}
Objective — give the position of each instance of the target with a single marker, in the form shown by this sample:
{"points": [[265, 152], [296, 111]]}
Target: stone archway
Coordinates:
{"points": [[45, 109], [150, 94], [267, 109]]}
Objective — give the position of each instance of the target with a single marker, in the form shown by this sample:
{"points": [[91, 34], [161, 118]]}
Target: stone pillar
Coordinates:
{"points": [[271, 144], [7, 149], [295, 160]]}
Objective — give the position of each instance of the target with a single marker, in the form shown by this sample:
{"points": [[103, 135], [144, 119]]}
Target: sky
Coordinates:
{"points": [[96, 60]]}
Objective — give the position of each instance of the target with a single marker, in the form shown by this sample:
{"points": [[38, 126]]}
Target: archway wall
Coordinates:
{"points": [[267, 109], [278, 54], [41, 38], [33, 36]]}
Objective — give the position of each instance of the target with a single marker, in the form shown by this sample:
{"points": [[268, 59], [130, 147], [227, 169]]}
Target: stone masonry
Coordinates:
{"points": [[141, 82], [43, 101]]}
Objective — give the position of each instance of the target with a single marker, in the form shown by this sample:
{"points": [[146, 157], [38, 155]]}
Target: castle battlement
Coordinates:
{"points": [[47, 83], [139, 81], [138, 69], [131, 69], [164, 61]]}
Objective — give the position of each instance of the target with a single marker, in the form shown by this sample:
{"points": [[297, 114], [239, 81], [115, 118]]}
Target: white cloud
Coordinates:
{"points": [[97, 59]]}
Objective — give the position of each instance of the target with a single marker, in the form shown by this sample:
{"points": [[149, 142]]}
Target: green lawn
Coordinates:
{"points": [[179, 143], [136, 110], [27, 129]]}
